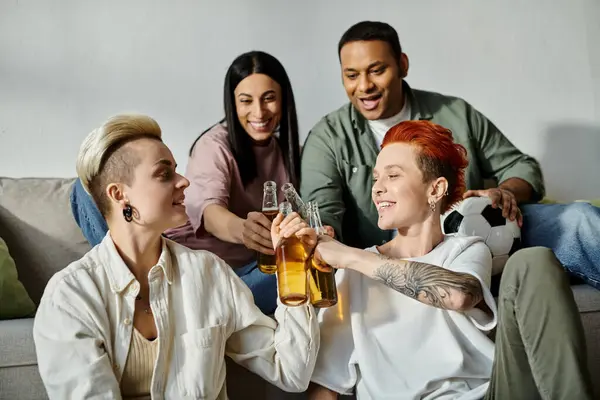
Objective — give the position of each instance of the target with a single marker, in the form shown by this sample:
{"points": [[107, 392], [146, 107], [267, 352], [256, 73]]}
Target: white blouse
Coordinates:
{"points": [[83, 328]]}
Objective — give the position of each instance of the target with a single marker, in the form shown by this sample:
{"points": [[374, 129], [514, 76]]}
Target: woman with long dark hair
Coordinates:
{"points": [[229, 163], [257, 141]]}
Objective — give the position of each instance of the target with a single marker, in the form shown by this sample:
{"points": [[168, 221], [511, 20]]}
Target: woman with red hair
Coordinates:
{"points": [[414, 314]]}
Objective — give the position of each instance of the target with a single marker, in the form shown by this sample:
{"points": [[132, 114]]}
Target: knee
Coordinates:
{"points": [[538, 264], [578, 212]]}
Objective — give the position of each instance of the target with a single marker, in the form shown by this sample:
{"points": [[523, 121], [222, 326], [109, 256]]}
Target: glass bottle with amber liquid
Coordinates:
{"points": [[292, 197], [266, 262], [292, 263], [323, 290]]}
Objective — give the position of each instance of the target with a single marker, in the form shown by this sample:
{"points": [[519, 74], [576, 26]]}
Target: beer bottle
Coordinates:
{"points": [[323, 290], [292, 262], [266, 262], [295, 200]]}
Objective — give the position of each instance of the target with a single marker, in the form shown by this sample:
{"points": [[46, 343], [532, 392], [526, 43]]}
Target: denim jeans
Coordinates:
{"points": [[262, 286], [572, 231], [86, 214]]}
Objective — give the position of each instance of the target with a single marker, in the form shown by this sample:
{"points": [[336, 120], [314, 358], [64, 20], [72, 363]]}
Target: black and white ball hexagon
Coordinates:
{"points": [[475, 216]]}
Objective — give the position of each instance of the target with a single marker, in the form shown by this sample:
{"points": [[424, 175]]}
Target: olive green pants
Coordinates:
{"points": [[540, 345]]}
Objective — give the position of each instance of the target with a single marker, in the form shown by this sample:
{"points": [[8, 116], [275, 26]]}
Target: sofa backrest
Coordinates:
{"points": [[37, 224]]}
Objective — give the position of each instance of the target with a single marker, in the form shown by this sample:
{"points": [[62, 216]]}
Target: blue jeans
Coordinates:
{"points": [[86, 214], [572, 231], [262, 286]]}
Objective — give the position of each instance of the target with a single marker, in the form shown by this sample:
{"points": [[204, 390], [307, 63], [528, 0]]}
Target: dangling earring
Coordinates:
{"points": [[128, 213], [432, 205]]}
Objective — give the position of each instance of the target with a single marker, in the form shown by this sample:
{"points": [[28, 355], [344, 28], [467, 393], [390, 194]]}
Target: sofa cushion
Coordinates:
{"points": [[587, 298], [14, 300], [19, 374], [37, 224], [16, 343]]}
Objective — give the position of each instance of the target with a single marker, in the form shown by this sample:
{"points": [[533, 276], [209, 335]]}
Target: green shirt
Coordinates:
{"points": [[340, 152]]}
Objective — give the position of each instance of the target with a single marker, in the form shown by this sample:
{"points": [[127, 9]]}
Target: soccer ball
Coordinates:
{"points": [[475, 216]]}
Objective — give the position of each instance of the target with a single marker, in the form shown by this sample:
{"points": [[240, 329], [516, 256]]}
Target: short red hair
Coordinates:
{"points": [[438, 155]]}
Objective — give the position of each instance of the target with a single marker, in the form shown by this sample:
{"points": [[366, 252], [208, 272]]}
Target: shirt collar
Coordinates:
{"points": [[119, 275], [418, 110]]}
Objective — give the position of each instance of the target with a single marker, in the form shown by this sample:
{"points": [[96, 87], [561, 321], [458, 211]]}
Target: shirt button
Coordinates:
{"points": [[354, 169], [116, 367], [127, 321]]}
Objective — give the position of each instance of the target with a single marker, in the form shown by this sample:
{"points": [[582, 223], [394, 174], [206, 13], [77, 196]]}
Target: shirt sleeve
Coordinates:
{"points": [[335, 368], [281, 351], [71, 357], [321, 179], [209, 170], [476, 260], [500, 159]]}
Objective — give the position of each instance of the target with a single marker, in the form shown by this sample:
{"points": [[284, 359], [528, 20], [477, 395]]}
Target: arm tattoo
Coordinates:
{"points": [[427, 283]]}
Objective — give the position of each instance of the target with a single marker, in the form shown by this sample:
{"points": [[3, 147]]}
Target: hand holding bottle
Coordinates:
{"points": [[256, 233], [292, 225], [330, 251]]}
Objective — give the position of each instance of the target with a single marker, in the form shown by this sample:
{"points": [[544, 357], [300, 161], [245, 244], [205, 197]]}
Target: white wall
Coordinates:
{"points": [[533, 67]]}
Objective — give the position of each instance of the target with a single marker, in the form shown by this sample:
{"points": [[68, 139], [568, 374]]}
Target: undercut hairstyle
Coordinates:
{"points": [[438, 155], [103, 159], [372, 30]]}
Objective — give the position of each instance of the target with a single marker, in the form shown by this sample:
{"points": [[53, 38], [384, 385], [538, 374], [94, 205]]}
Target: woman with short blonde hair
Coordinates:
{"points": [[142, 316]]}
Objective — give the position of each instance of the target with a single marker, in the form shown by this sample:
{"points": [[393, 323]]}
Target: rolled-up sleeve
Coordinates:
{"points": [[500, 159], [281, 351], [209, 171], [71, 358], [321, 179]]}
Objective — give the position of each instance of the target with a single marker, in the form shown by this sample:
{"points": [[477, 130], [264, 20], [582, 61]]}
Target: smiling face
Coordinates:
{"points": [[399, 193], [258, 104], [156, 190], [373, 78]]}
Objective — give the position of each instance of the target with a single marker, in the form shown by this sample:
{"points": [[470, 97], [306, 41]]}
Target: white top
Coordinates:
{"points": [[390, 346], [380, 127], [83, 328]]}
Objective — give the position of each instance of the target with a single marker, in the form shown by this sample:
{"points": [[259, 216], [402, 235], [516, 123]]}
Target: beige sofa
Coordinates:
{"points": [[37, 225]]}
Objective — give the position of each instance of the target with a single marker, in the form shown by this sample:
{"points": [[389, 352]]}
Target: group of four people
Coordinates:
{"points": [[156, 304]]}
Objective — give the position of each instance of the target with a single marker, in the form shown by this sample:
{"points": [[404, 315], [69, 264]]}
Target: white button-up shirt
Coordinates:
{"points": [[83, 328]]}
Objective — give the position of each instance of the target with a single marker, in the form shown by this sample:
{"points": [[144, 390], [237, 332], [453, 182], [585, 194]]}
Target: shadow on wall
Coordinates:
{"points": [[571, 161]]}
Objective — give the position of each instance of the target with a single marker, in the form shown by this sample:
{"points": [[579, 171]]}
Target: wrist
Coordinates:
{"points": [[507, 188], [237, 229], [350, 258]]}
